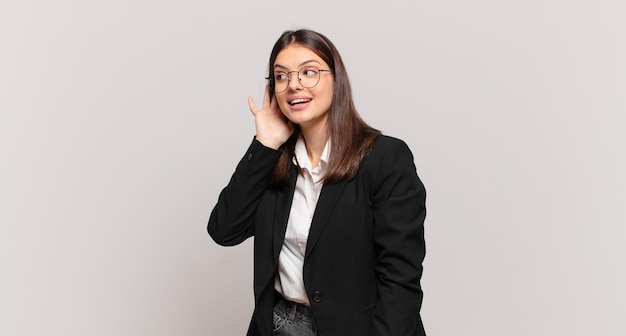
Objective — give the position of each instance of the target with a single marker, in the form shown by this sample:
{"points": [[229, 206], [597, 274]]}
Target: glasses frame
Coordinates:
{"points": [[288, 73]]}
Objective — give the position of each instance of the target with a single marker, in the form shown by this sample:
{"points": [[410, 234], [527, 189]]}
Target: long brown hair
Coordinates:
{"points": [[350, 137]]}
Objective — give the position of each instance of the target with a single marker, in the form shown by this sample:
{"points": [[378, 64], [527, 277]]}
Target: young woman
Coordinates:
{"points": [[336, 209]]}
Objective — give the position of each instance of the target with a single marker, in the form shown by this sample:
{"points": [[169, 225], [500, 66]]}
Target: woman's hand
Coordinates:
{"points": [[272, 127]]}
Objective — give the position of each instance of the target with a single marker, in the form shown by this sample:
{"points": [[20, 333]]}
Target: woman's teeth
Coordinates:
{"points": [[298, 101]]}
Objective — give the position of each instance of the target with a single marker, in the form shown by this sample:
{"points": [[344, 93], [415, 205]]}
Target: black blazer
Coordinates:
{"points": [[363, 261]]}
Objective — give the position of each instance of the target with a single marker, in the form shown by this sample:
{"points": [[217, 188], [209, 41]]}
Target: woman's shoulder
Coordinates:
{"points": [[387, 152], [385, 144], [389, 158]]}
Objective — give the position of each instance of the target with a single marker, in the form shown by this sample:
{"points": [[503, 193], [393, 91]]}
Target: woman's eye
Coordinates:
{"points": [[310, 72], [280, 76]]}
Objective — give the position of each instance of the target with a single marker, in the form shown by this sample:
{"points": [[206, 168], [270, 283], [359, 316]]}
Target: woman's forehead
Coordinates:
{"points": [[295, 55]]}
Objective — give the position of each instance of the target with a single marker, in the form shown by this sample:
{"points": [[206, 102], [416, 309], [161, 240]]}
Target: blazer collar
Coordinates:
{"points": [[325, 206], [281, 212]]}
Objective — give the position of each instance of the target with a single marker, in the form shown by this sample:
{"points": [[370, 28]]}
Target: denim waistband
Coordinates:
{"points": [[296, 311]]}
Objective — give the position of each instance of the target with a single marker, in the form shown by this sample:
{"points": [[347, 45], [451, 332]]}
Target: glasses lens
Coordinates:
{"points": [[309, 76], [281, 80]]}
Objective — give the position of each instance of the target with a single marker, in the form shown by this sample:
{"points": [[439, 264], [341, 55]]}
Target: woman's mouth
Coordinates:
{"points": [[299, 101]]}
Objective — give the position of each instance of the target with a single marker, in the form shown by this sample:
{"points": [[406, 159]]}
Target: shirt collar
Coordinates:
{"points": [[303, 158]]}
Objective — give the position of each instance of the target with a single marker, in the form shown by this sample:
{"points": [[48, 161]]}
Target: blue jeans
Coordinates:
{"points": [[293, 319]]}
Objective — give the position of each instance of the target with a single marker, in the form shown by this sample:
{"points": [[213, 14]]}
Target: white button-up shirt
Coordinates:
{"points": [[289, 281]]}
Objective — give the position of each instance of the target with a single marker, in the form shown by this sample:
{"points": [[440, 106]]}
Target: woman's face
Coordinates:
{"points": [[307, 107]]}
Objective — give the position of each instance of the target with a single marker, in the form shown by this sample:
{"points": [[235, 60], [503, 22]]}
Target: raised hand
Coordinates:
{"points": [[272, 127]]}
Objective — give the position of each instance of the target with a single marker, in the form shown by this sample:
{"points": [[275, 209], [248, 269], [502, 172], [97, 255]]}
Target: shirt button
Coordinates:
{"points": [[317, 297]]}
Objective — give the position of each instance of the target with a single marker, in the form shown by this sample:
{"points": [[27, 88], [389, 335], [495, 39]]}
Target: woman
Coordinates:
{"points": [[336, 209]]}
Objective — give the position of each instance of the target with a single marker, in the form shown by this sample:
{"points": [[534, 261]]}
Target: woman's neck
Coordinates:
{"points": [[315, 141]]}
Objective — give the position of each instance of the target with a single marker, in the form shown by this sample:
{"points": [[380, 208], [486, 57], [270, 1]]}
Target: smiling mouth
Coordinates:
{"points": [[299, 101]]}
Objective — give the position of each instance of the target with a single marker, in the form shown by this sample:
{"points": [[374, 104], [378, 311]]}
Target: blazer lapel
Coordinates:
{"points": [[284, 199], [325, 204]]}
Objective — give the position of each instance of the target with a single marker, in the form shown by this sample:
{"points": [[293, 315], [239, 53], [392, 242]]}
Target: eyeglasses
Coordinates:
{"points": [[308, 76]]}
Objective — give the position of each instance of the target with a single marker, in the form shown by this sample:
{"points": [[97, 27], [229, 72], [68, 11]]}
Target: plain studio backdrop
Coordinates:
{"points": [[121, 121]]}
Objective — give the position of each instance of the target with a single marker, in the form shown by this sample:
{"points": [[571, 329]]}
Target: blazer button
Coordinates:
{"points": [[317, 297], [249, 156]]}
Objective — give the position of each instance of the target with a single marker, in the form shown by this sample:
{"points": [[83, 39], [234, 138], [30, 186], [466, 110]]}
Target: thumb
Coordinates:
{"points": [[253, 108]]}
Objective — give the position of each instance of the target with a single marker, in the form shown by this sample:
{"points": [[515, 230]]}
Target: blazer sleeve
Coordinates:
{"points": [[232, 219], [399, 211]]}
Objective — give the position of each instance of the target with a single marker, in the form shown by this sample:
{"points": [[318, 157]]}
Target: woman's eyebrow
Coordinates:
{"points": [[308, 61], [301, 64]]}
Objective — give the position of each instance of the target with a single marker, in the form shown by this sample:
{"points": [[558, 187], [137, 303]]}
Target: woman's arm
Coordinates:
{"points": [[231, 221], [232, 218], [399, 213]]}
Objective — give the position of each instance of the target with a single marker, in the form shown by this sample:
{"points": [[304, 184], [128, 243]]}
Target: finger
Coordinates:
{"points": [[253, 108]]}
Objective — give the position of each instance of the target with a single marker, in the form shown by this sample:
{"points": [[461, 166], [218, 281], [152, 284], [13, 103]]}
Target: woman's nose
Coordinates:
{"points": [[294, 81]]}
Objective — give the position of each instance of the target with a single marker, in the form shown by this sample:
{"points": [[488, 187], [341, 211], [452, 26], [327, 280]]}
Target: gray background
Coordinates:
{"points": [[122, 120]]}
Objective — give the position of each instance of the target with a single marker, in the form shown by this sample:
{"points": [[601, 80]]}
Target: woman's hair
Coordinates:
{"points": [[350, 137]]}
